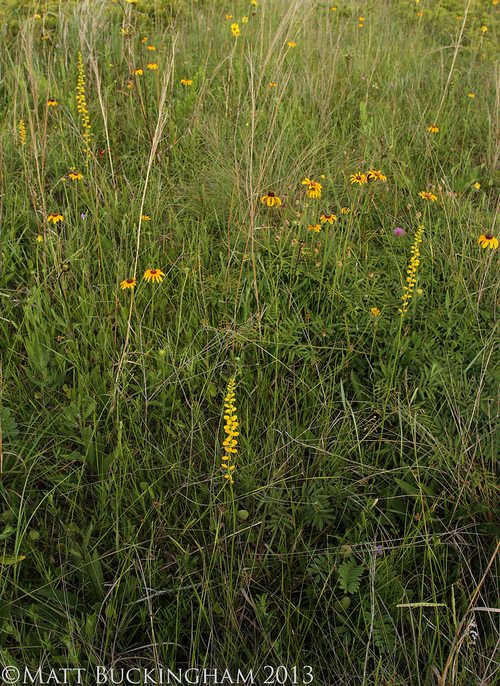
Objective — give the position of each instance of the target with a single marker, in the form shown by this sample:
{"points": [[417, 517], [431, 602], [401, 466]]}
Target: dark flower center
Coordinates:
{"points": [[489, 236], [271, 194], [130, 280], [153, 271]]}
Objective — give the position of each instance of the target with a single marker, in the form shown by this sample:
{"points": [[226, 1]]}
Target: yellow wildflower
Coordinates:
{"points": [[488, 240], [271, 199], [153, 275], [230, 443], [128, 283], [427, 195], [22, 132], [313, 188], [411, 272]]}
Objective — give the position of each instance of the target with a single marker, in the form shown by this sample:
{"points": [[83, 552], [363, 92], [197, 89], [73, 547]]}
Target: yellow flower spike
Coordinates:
{"points": [[81, 106], [230, 443], [22, 132], [411, 272]]}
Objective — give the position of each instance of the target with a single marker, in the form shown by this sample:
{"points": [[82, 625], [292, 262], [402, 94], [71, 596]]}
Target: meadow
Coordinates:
{"points": [[248, 338]]}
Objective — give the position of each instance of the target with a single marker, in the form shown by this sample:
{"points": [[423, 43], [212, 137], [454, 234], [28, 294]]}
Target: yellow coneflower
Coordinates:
{"points": [[292, 44], [22, 132], [151, 48], [138, 72], [328, 218], [145, 218], [154, 275], [358, 177], [55, 218], [230, 443], [411, 272], [152, 66], [128, 283], [375, 175], [374, 311], [271, 199], [313, 188], [75, 176], [314, 227], [427, 195], [186, 82], [52, 102], [345, 210], [488, 240], [81, 105], [235, 29], [433, 128]]}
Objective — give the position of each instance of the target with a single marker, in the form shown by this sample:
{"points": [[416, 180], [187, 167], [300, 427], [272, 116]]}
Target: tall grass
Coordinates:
{"points": [[359, 536]]}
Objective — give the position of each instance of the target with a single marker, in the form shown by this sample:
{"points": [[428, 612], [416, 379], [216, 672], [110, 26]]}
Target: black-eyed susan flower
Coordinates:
{"points": [[230, 442], [22, 132], [411, 272], [432, 128], [235, 29], [244, 20], [145, 218], [359, 178], [427, 195], [152, 66], [271, 199], [328, 218], [488, 240], [229, 17], [55, 218], [128, 283], [374, 311], [75, 176], [186, 82], [272, 84], [138, 72], [52, 102], [154, 275], [375, 175], [314, 227], [313, 189], [151, 48], [291, 44], [345, 210]]}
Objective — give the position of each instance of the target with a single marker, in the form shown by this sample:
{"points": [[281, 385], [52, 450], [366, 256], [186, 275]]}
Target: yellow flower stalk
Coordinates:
{"points": [[411, 272], [22, 132], [230, 443], [81, 102]]}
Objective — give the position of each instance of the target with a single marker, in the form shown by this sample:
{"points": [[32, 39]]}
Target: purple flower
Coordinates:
{"points": [[399, 231], [83, 215]]}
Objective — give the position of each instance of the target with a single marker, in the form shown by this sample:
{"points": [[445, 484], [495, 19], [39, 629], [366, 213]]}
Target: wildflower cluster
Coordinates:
{"points": [[230, 443], [81, 102], [371, 175], [411, 272], [22, 132], [313, 189]]}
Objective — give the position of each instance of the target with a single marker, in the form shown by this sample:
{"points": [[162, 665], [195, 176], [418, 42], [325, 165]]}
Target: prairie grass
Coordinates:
{"points": [[360, 534]]}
